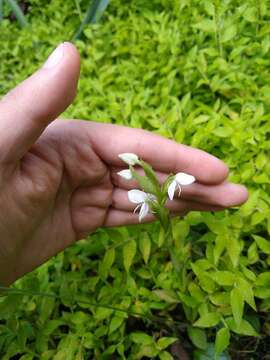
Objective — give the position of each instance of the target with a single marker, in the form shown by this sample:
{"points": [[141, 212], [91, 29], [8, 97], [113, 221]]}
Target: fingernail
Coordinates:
{"points": [[54, 58]]}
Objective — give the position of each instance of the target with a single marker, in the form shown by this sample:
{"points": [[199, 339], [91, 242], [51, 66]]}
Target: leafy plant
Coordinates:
{"points": [[197, 74]]}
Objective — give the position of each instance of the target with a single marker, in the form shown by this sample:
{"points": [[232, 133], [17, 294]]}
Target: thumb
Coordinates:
{"points": [[27, 109]]}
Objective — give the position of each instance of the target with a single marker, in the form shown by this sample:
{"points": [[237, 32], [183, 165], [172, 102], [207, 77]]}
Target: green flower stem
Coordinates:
{"points": [[169, 241], [163, 215]]}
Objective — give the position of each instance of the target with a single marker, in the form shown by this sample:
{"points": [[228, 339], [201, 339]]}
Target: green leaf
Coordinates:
{"points": [[263, 244], [103, 313], [107, 263], [115, 323], [220, 298], [247, 292], [250, 14], [151, 175], [145, 246], [129, 252], [148, 351], [253, 256], [262, 293], [141, 338], [263, 279], [222, 340], [224, 278], [164, 342], [229, 33], [164, 355], [208, 320], [144, 182], [47, 307], [198, 337], [234, 249], [244, 328], [196, 292], [237, 304], [206, 25], [209, 354], [161, 236], [206, 283], [167, 295]]}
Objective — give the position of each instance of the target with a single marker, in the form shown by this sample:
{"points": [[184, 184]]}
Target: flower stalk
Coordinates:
{"points": [[154, 196]]}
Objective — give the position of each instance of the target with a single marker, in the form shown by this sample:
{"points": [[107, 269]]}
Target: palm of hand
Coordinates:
{"points": [[60, 192]]}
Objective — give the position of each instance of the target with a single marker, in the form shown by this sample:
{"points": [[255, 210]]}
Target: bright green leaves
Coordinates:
{"points": [[234, 249], [198, 337], [237, 304], [145, 246], [213, 93], [222, 340], [106, 263], [206, 25], [143, 181], [247, 292], [262, 243], [251, 14], [141, 338], [229, 32], [149, 347], [116, 322], [208, 320], [151, 175], [129, 252], [244, 328], [164, 342], [224, 278]]}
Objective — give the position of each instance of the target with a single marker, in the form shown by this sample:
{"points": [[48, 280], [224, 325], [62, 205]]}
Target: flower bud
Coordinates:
{"points": [[125, 174], [129, 158]]}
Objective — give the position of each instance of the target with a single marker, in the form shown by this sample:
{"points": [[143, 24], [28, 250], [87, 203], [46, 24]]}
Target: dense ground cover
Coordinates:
{"points": [[196, 72]]}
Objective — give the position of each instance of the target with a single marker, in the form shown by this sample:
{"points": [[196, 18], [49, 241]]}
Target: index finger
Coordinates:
{"points": [[163, 154]]}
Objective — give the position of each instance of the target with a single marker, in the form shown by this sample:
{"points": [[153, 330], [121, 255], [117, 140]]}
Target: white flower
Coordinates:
{"points": [[142, 200], [179, 179], [129, 158], [126, 174]]}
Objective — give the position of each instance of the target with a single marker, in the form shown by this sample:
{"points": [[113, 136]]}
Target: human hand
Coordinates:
{"points": [[59, 178]]}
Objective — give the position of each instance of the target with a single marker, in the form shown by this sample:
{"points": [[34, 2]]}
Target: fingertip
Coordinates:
{"points": [[210, 170], [222, 171], [62, 74], [72, 52], [244, 194], [237, 195]]}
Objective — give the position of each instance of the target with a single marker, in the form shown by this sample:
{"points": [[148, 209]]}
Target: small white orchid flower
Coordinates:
{"points": [[126, 174], [142, 200], [179, 179], [129, 158]]}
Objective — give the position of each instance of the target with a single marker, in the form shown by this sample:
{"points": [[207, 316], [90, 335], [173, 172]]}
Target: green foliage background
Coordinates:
{"points": [[194, 71]]}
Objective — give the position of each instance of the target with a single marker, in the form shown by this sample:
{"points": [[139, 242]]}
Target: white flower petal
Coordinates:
{"points": [[137, 196], [126, 174], [129, 158], [143, 211], [184, 179], [171, 189]]}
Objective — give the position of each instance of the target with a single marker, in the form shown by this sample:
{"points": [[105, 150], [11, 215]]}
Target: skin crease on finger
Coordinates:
{"points": [[58, 183]]}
